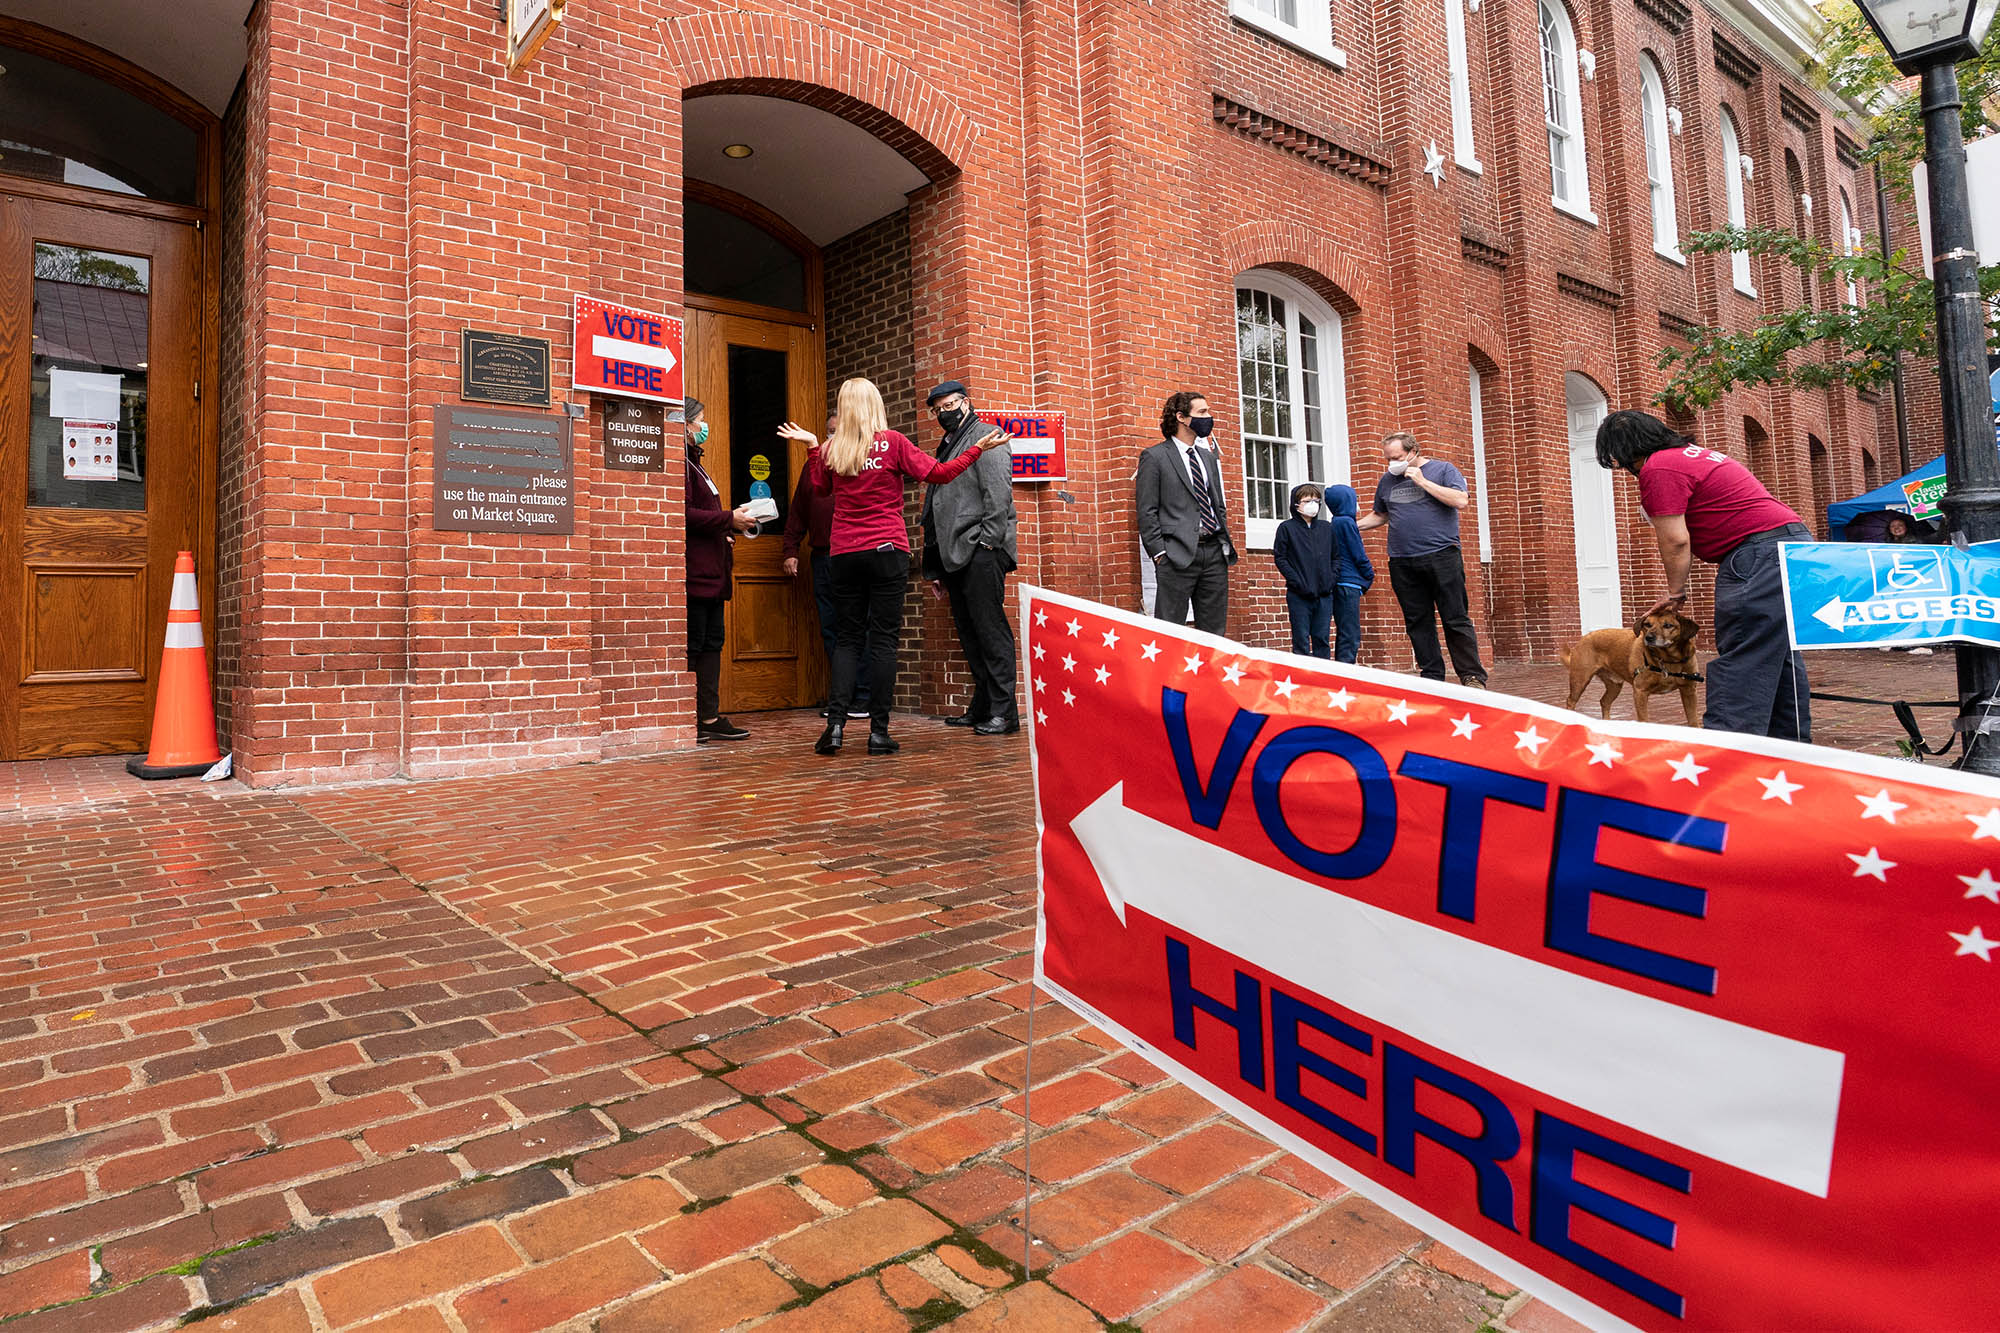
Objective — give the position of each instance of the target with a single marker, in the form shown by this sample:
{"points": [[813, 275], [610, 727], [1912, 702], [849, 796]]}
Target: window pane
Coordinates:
{"points": [[87, 382], [731, 257], [61, 124]]}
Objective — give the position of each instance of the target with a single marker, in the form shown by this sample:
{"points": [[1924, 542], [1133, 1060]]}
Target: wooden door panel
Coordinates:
{"points": [[85, 623], [93, 717]]}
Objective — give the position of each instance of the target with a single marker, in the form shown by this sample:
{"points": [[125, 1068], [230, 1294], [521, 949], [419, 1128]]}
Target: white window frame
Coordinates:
{"points": [[1733, 193], [1479, 466], [1847, 244], [1464, 150], [1299, 299], [1659, 160], [1312, 32], [1572, 163]]}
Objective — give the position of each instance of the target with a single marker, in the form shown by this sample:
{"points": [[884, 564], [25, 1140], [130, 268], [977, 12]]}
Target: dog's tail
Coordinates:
{"points": [[1562, 654]]}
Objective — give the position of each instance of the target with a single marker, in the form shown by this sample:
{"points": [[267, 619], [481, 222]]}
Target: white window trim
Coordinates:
{"points": [[1259, 534], [1660, 192], [1479, 467], [1576, 162], [1734, 202], [1313, 34], [1464, 150]]}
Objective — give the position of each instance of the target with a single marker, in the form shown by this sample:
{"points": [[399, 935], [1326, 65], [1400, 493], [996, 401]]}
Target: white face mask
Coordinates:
{"points": [[1309, 510], [1399, 467]]}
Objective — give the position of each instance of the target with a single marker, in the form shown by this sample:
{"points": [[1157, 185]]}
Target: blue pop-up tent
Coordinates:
{"points": [[1889, 496]]}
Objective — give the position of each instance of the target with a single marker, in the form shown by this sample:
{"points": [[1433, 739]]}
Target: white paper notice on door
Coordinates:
{"points": [[90, 450], [84, 395]]}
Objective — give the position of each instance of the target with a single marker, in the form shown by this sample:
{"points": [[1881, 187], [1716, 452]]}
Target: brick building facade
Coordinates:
{"points": [[1109, 196]]}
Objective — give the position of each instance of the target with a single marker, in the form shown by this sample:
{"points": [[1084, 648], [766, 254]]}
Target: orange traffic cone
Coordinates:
{"points": [[183, 713]]}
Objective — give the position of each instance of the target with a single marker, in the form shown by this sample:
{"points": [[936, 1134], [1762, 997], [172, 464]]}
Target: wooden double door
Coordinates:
{"points": [[752, 375], [103, 477]]}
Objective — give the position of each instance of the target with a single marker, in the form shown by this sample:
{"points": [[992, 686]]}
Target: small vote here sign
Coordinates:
{"points": [[1040, 447], [628, 352]]}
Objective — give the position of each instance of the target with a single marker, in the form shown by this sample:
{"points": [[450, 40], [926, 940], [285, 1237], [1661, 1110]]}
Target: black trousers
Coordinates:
{"points": [[868, 592], [1430, 588], [1205, 583], [705, 640], [978, 596], [1756, 684]]}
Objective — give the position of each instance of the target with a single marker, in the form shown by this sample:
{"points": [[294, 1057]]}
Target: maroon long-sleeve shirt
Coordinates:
{"points": [[868, 506]]}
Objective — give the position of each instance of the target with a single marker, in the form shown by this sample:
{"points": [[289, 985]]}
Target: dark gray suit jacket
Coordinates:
{"points": [[1169, 515]]}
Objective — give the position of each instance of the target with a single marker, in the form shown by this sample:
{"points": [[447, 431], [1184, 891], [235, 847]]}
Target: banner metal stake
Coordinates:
{"points": [[1028, 1139]]}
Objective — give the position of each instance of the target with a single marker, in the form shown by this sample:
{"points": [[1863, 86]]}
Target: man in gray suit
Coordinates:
{"points": [[968, 550], [1183, 523]]}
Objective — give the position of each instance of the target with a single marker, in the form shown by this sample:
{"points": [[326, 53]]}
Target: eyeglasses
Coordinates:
{"points": [[947, 404]]}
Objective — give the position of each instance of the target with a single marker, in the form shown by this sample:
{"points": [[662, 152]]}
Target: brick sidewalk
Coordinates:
{"points": [[673, 1044]]}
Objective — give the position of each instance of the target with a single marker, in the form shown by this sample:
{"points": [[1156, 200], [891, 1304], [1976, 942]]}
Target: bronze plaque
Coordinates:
{"points": [[635, 435], [495, 471], [503, 368]]}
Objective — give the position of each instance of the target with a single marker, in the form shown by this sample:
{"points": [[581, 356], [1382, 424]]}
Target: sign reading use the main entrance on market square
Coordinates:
{"points": [[1674, 1028], [495, 471], [627, 352], [1865, 595]]}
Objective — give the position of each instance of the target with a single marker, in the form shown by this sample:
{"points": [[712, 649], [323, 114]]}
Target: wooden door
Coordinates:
{"points": [[751, 375], [102, 478]]}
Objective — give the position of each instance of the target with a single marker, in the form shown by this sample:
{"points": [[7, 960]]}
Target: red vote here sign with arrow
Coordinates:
{"points": [[1677, 1029]]}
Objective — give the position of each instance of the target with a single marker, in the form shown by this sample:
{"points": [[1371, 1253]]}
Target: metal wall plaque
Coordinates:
{"points": [[635, 435], [503, 368], [496, 471]]}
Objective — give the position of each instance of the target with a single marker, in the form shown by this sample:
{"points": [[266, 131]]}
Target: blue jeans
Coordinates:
{"points": [[822, 575], [1309, 621], [1346, 622]]}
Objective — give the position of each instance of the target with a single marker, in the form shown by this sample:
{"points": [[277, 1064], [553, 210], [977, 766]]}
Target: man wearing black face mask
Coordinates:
{"points": [[1183, 523], [968, 550]]}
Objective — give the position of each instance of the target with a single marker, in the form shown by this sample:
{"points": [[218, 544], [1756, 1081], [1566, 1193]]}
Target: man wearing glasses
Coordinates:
{"points": [[968, 550]]}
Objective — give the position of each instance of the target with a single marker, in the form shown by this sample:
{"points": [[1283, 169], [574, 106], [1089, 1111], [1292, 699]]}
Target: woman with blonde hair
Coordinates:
{"points": [[863, 465]]}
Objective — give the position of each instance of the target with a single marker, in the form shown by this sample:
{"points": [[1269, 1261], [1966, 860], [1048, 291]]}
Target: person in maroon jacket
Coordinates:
{"points": [[811, 516], [863, 466], [710, 531]]}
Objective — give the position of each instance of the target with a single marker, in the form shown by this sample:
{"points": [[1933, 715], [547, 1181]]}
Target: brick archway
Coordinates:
{"points": [[1295, 246], [768, 56]]}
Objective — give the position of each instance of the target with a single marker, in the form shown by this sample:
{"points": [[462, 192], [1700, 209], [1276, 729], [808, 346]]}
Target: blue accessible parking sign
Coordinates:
{"points": [[1861, 595]]}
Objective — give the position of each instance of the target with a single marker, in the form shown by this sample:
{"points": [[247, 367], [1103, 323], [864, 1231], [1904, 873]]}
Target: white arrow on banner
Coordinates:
{"points": [[638, 354], [1758, 1101], [1833, 616]]}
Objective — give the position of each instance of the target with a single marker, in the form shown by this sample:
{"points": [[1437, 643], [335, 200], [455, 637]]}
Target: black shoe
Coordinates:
{"points": [[881, 742], [722, 729], [962, 720], [829, 740], [997, 727]]}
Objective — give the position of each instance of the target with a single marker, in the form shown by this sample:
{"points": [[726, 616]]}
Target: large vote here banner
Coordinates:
{"points": [[1676, 1029]]}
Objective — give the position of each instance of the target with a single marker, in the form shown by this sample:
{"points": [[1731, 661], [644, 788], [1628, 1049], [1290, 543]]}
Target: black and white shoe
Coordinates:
{"points": [[722, 729]]}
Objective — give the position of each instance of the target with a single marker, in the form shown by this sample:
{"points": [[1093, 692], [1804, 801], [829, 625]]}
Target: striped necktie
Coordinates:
{"points": [[1211, 518]]}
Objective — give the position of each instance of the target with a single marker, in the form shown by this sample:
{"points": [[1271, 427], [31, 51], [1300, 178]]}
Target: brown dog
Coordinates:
{"points": [[1655, 656]]}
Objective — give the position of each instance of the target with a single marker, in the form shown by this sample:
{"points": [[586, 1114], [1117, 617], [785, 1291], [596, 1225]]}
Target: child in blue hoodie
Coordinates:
{"points": [[1353, 573], [1305, 554]]}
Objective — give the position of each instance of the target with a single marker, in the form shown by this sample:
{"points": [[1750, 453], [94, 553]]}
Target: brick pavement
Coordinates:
{"points": [[733, 1037]]}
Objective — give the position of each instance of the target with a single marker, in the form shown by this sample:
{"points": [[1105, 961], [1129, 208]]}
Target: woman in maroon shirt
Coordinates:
{"points": [[863, 466]]}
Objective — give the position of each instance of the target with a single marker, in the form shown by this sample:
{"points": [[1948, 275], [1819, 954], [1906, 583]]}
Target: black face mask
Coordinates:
{"points": [[952, 418], [1201, 426]]}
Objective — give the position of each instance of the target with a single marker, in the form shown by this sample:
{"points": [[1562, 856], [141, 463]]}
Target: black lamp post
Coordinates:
{"points": [[1929, 37]]}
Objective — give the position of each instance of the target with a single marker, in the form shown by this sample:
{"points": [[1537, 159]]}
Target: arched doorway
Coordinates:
{"points": [[772, 188], [107, 334], [1600, 602]]}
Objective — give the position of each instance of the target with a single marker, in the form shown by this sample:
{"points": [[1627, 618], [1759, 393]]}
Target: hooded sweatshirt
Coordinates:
{"points": [[1352, 568], [1304, 553]]}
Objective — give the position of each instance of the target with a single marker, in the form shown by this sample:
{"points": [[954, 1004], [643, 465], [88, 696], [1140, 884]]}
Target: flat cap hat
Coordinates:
{"points": [[946, 390]]}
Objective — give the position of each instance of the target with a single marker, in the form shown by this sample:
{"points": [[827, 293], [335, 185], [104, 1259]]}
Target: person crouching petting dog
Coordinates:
{"points": [[1706, 504]]}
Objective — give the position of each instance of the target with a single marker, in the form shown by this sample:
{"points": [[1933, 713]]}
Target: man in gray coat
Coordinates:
{"points": [[968, 550], [1183, 523]]}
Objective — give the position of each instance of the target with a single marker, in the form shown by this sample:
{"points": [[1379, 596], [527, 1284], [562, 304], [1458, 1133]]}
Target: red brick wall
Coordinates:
{"points": [[232, 413], [1095, 194]]}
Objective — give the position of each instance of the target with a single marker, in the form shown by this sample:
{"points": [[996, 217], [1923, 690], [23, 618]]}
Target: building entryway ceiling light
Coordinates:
{"points": [[738, 150]]}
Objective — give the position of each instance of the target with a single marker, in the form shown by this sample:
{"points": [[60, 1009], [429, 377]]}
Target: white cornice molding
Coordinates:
{"points": [[1789, 31]]}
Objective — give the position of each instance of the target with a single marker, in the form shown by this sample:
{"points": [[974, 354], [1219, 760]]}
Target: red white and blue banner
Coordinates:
{"points": [[1040, 443], [1676, 1029]]}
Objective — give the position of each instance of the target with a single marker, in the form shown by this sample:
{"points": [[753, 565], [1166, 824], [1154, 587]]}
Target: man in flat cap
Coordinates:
{"points": [[968, 551]]}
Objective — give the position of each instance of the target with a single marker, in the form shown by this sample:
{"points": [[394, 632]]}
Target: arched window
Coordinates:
{"points": [[1479, 464], [1659, 158], [1463, 150], [1562, 108], [1732, 180], [1795, 185], [1850, 242], [1292, 380]]}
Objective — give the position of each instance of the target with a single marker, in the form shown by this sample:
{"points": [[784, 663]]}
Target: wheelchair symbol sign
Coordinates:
{"points": [[1900, 573]]}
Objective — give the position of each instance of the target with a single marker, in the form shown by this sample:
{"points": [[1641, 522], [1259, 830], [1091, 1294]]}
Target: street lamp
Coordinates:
{"points": [[1929, 37]]}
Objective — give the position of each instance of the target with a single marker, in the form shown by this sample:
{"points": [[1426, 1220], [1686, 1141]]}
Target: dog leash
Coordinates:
{"points": [[1905, 712]]}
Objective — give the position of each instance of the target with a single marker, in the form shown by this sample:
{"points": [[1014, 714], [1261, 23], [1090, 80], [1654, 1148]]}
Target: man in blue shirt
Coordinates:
{"points": [[1419, 499]]}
